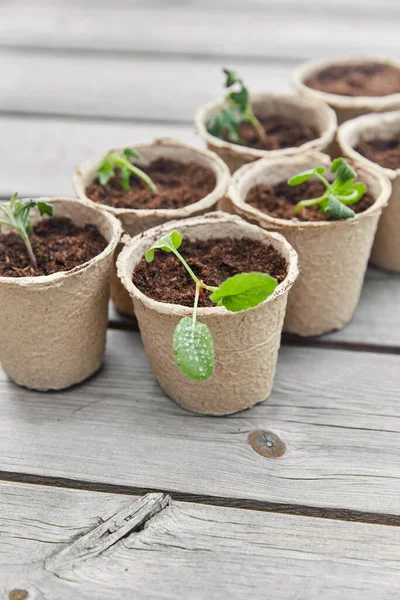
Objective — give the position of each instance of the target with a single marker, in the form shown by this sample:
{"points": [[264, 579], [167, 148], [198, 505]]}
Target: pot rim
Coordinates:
{"points": [[323, 139], [355, 126], [43, 281], [217, 165], [249, 170], [210, 218], [338, 100]]}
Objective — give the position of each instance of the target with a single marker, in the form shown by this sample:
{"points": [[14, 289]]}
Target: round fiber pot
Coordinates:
{"points": [[386, 249], [53, 327], [313, 112], [246, 343], [135, 221], [346, 107], [333, 255]]}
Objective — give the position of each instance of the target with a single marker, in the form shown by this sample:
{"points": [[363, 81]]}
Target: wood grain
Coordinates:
{"points": [[97, 85], [187, 551], [335, 411], [283, 30]]}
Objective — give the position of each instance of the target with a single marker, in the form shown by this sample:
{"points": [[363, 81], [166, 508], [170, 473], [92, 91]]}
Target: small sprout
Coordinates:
{"points": [[238, 111], [193, 344], [339, 194], [15, 214], [113, 161]]}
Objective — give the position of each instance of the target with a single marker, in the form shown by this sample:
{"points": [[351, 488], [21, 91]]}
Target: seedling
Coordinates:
{"points": [[237, 111], [193, 345], [339, 194], [113, 161], [15, 214]]}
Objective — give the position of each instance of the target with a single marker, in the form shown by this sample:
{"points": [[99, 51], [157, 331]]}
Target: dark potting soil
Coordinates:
{"points": [[213, 261], [178, 185], [383, 152], [281, 133], [280, 200], [58, 245], [369, 79]]}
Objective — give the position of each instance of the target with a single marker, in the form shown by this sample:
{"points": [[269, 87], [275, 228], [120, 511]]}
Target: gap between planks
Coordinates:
{"points": [[336, 514], [125, 324]]}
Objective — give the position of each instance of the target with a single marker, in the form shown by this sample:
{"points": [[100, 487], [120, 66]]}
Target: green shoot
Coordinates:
{"points": [[193, 344], [338, 195], [15, 214], [237, 111], [113, 161]]}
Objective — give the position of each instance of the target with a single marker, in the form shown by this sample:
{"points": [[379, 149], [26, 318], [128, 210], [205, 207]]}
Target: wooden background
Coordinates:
{"points": [[319, 522]]}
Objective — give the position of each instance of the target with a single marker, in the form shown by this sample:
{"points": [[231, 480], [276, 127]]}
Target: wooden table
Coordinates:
{"points": [[110, 490]]}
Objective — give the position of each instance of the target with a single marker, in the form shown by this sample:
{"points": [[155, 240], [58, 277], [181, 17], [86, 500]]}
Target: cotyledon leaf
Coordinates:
{"points": [[193, 348]]}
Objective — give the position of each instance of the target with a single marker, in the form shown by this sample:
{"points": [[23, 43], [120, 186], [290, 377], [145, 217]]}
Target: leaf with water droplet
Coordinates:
{"points": [[194, 349], [244, 291], [167, 243]]}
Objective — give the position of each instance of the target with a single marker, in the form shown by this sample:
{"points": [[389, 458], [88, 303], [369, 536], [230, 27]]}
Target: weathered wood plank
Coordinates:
{"points": [[51, 148], [336, 412], [188, 551], [280, 31], [123, 87]]}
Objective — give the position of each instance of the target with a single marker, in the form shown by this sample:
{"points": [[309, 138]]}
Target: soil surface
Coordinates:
{"points": [[369, 79], [178, 185], [58, 245], [280, 200], [280, 131], [213, 261], [383, 152]]}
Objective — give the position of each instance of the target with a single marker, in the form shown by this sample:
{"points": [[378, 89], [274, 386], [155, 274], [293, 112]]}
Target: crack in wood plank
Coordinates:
{"points": [[336, 514], [129, 520]]}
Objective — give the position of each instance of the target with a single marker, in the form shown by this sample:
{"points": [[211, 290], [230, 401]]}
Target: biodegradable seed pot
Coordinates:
{"points": [[189, 182], [246, 343], [53, 326], [293, 125], [333, 254], [352, 86], [374, 140]]}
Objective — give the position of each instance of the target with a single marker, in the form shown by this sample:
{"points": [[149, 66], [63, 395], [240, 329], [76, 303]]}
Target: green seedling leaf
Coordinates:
{"points": [[237, 111], [337, 209], [16, 214], [342, 192], [305, 176], [168, 243], [193, 348], [113, 161], [344, 173], [244, 291]]}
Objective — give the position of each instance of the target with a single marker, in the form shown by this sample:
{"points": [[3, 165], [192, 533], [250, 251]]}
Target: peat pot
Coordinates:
{"points": [[53, 327], [333, 255], [246, 343], [135, 221], [305, 110], [386, 249], [346, 107]]}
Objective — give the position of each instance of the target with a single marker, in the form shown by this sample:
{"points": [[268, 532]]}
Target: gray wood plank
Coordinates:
{"points": [[49, 149], [123, 87], [281, 30], [336, 411], [187, 551]]}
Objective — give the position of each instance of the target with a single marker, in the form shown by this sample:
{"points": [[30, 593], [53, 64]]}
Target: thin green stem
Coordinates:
{"points": [[251, 118], [142, 175], [196, 301], [304, 203], [27, 243], [349, 198], [325, 182], [197, 281]]}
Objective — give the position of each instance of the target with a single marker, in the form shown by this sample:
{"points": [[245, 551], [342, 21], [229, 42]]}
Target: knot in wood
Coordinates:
{"points": [[266, 443], [18, 595]]}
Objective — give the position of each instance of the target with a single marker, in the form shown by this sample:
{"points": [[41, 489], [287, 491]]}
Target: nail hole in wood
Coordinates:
{"points": [[266, 443], [18, 595]]}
